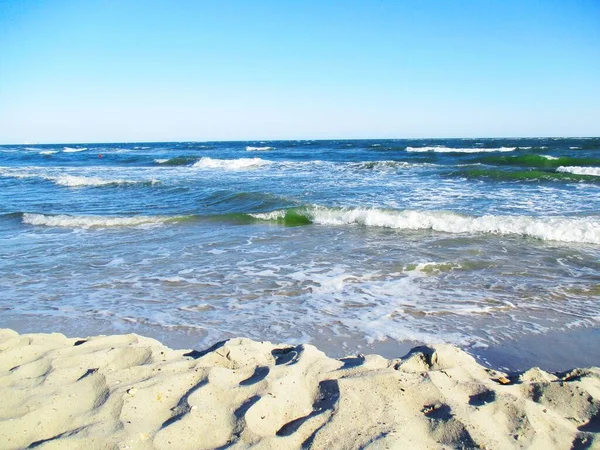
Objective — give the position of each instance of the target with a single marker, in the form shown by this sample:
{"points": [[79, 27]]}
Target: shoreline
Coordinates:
{"points": [[129, 390], [552, 351]]}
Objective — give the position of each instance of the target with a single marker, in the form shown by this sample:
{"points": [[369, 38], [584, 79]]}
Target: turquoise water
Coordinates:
{"points": [[344, 244]]}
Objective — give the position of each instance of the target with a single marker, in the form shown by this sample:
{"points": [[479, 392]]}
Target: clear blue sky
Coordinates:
{"points": [[106, 71]]}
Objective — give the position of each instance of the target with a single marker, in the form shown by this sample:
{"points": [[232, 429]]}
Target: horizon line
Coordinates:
{"points": [[305, 139]]}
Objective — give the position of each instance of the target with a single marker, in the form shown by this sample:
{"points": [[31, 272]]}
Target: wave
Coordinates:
{"points": [[382, 165], [177, 161], [230, 164], [258, 149], [541, 161], [591, 171], [524, 175], [562, 229], [459, 150], [74, 180], [48, 152], [73, 150], [77, 181], [63, 220], [552, 228]]}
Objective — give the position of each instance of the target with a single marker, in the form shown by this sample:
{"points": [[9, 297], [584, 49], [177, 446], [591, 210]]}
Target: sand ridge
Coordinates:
{"points": [[128, 391]]}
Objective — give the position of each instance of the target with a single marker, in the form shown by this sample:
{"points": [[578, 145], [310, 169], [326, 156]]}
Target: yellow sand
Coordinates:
{"points": [[132, 392]]}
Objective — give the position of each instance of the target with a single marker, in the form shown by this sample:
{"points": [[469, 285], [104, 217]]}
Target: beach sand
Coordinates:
{"points": [[128, 391]]}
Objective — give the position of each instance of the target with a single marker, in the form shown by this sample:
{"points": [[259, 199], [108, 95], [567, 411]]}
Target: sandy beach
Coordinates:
{"points": [[129, 391]]}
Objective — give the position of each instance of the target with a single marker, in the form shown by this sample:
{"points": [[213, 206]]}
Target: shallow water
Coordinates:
{"points": [[349, 245]]}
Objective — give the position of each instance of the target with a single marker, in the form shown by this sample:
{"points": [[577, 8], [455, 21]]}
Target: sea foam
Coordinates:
{"points": [[70, 180], [73, 150], [593, 171], [230, 164], [562, 229], [63, 220], [258, 149], [459, 150]]}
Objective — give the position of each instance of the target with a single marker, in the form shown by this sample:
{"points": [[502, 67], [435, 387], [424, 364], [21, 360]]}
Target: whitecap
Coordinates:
{"points": [[553, 228], [73, 150], [63, 220], [230, 164], [577, 170], [459, 150], [258, 149]]}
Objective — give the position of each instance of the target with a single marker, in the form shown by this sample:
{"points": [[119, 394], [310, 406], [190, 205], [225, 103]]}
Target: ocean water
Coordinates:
{"points": [[348, 245]]}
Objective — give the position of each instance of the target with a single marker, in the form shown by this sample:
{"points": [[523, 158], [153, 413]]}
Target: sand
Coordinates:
{"points": [[128, 391]]}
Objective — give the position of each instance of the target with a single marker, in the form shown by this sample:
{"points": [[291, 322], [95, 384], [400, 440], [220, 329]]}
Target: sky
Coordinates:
{"points": [[134, 71]]}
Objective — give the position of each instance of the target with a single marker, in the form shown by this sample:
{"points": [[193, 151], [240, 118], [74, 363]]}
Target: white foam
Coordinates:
{"points": [[48, 152], [230, 164], [161, 161], [563, 229], [459, 150], [258, 149], [549, 157], [68, 180], [577, 170], [273, 215], [63, 220], [76, 181], [73, 150]]}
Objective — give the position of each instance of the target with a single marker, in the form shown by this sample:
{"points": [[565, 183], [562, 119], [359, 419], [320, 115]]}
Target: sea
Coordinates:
{"points": [[355, 246]]}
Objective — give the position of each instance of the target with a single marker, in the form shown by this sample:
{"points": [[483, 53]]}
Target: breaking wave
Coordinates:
{"points": [[63, 220], [541, 161], [231, 164], [590, 171], [459, 150], [527, 175], [258, 149], [73, 150], [177, 161], [562, 229], [74, 180]]}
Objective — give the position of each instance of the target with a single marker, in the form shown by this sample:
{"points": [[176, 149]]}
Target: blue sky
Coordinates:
{"points": [[107, 71]]}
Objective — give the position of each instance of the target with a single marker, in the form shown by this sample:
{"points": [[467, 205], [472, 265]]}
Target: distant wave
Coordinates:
{"points": [[72, 180], [591, 171], [258, 149], [459, 150], [48, 152], [524, 175], [562, 229], [231, 164], [542, 161], [73, 150], [176, 161], [63, 220], [75, 181], [383, 165]]}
